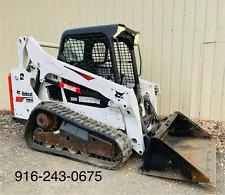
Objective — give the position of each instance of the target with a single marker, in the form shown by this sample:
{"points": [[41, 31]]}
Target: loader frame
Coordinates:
{"points": [[123, 105]]}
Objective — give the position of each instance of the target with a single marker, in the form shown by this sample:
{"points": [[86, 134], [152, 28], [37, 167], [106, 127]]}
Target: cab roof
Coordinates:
{"points": [[110, 30]]}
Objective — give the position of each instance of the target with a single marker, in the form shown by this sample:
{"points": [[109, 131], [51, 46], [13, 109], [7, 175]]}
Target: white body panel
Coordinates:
{"points": [[23, 106], [122, 113]]}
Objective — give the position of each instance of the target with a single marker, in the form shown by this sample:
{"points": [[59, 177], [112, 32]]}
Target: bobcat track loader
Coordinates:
{"points": [[90, 104]]}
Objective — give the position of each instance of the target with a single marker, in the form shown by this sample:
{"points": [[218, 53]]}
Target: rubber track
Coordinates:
{"points": [[92, 126]]}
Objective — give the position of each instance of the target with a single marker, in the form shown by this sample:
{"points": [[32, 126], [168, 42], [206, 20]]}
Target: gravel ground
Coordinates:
{"points": [[16, 156]]}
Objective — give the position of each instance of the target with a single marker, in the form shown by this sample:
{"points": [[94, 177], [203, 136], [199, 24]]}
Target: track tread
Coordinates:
{"points": [[92, 125]]}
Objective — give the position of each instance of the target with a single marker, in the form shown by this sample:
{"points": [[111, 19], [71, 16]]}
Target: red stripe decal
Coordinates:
{"points": [[85, 76], [61, 84], [10, 94], [70, 87], [81, 74], [78, 90], [19, 99]]}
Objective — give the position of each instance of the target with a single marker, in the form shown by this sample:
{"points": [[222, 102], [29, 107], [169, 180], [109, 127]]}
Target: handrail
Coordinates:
{"points": [[48, 45]]}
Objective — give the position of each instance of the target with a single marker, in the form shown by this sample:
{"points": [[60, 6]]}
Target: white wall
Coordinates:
{"points": [[182, 42]]}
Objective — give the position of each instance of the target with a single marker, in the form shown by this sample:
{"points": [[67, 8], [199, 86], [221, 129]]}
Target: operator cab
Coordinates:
{"points": [[106, 51]]}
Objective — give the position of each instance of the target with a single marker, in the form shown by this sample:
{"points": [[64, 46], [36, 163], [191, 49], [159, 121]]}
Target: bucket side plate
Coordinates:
{"points": [[182, 150]]}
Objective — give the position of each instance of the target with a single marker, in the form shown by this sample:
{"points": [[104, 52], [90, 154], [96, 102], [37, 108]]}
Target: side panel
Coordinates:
{"points": [[24, 97], [151, 89], [110, 116]]}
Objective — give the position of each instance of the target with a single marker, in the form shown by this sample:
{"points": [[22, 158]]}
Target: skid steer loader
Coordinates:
{"points": [[90, 104]]}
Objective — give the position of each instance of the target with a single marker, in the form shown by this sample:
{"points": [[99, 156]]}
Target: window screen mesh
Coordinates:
{"points": [[89, 52], [73, 50], [124, 63]]}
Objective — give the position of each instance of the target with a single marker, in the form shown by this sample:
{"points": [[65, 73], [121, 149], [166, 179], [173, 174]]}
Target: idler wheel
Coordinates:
{"points": [[45, 121]]}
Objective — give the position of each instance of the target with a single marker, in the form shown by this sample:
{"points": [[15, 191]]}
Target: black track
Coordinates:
{"points": [[119, 139]]}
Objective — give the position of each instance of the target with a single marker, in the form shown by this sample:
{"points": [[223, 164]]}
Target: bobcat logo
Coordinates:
{"points": [[119, 95]]}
